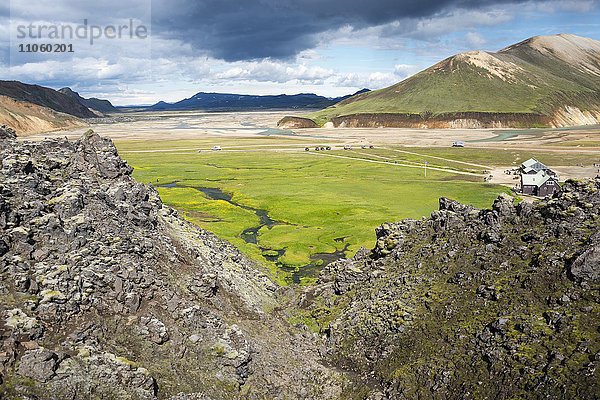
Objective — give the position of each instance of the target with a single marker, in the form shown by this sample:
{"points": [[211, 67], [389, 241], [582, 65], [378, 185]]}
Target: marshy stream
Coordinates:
{"points": [[250, 235]]}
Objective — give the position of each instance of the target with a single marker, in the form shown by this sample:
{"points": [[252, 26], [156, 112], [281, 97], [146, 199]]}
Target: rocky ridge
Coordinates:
{"points": [[45, 97], [107, 293], [98, 106], [501, 303]]}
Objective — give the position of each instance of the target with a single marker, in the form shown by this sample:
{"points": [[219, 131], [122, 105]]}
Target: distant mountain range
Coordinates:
{"points": [[542, 81], [94, 104], [229, 102], [33, 108]]}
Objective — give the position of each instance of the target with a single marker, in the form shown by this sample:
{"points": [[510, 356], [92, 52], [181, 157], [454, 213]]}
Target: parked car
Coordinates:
{"points": [[216, 148], [347, 147]]}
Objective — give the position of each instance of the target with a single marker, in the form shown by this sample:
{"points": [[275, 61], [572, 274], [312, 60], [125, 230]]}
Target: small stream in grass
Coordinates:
{"points": [[250, 235], [318, 261]]}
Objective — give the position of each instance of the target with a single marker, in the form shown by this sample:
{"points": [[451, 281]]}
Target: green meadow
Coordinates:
{"points": [[313, 204]]}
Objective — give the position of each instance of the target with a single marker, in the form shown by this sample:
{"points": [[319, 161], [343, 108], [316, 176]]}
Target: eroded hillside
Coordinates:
{"points": [[28, 118]]}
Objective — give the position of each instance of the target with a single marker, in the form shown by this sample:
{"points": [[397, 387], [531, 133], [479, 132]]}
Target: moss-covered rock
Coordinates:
{"points": [[499, 303]]}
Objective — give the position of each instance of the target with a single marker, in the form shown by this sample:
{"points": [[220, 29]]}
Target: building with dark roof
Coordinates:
{"points": [[537, 179], [539, 184]]}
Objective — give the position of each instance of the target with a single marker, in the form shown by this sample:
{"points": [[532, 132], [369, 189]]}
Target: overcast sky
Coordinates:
{"points": [[328, 47]]}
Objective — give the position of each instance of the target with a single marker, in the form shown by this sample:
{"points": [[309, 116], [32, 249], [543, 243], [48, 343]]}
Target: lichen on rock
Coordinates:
{"points": [[107, 292]]}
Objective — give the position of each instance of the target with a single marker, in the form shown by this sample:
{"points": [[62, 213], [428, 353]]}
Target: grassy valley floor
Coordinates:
{"points": [[294, 210]]}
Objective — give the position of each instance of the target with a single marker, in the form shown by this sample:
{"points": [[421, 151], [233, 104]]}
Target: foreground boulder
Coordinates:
{"points": [[7, 133], [498, 304], [107, 293]]}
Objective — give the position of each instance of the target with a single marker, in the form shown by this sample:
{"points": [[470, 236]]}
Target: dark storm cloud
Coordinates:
{"points": [[254, 29]]}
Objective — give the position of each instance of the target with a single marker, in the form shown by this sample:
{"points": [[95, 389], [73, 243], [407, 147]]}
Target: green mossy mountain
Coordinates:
{"points": [[542, 81]]}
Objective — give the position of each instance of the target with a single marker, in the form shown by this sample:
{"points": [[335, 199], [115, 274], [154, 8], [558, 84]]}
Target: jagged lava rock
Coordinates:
{"points": [[500, 303], [102, 288]]}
